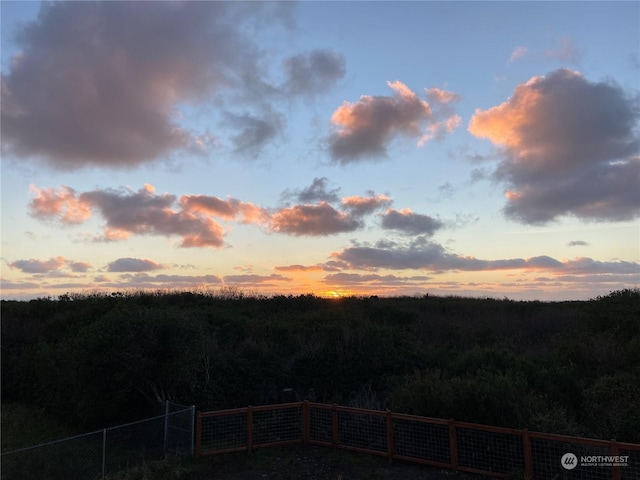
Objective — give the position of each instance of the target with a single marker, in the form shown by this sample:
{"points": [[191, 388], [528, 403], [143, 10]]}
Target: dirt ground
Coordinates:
{"points": [[316, 463]]}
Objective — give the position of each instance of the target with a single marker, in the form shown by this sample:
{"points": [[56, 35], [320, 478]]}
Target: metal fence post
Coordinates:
{"points": [[193, 422], [166, 425], [198, 434], [104, 450]]}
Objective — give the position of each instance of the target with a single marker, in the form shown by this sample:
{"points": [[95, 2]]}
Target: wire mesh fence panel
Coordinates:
{"points": [[320, 424], [362, 430], [224, 432], [632, 470], [548, 454], [77, 458], [490, 451], [132, 444], [277, 425], [421, 440]]}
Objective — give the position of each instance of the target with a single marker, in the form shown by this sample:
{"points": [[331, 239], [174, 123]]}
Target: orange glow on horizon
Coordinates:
{"points": [[337, 294]]}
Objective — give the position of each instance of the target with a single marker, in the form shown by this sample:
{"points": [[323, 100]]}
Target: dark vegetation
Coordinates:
{"points": [[95, 360]]}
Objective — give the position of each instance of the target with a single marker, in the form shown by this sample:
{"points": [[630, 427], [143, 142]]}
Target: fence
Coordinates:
{"points": [[93, 455], [481, 449]]}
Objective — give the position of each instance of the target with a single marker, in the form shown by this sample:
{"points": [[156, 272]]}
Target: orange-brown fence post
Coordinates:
{"points": [[390, 436], [453, 444], [615, 452], [306, 422], [249, 428], [528, 455], [198, 434], [334, 426]]}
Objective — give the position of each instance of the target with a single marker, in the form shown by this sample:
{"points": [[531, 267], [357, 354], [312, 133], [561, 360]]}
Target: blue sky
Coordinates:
{"points": [[335, 148]]}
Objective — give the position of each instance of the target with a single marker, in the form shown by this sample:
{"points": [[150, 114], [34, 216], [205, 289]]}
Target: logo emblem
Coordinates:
{"points": [[569, 461]]}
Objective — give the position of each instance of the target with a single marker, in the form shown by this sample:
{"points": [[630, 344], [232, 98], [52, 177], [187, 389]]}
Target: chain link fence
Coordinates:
{"points": [[94, 455]]}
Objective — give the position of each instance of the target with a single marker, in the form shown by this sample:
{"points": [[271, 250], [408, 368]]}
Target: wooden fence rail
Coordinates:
{"points": [[482, 449]]}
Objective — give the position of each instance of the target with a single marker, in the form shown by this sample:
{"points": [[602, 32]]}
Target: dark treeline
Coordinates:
{"points": [[562, 367]]}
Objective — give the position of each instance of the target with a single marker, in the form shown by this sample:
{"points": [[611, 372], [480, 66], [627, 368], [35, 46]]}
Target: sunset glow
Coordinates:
{"points": [[452, 148]]}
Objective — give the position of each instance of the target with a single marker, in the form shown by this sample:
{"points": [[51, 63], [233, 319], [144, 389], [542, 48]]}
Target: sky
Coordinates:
{"points": [[484, 149]]}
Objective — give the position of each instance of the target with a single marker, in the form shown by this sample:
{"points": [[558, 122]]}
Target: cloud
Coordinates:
{"points": [[192, 217], [51, 266], [365, 128], [10, 285], [322, 218], [421, 254], [313, 220], [230, 209], [255, 279], [569, 148], [445, 190], [314, 72], [517, 53], [407, 221], [78, 267], [564, 51], [445, 119], [317, 217], [61, 205], [144, 280], [134, 265], [316, 192], [372, 279], [392, 256], [141, 213], [299, 268], [578, 243], [437, 95], [585, 265], [360, 206], [39, 266], [101, 83], [146, 213], [255, 131]]}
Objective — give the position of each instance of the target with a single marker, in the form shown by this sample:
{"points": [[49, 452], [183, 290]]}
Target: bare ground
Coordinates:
{"points": [[315, 463]]}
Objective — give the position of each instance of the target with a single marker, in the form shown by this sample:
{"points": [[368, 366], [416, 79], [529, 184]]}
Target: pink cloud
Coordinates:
{"points": [[569, 148], [129, 213], [226, 209], [313, 220], [437, 95], [61, 205], [134, 265], [365, 128], [54, 265]]}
